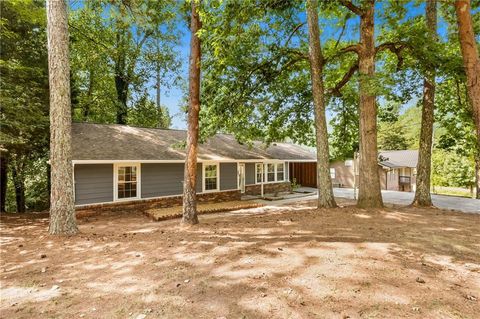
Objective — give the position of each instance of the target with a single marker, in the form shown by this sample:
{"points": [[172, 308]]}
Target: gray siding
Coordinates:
{"points": [[165, 179], [228, 176], [93, 183], [249, 173]]}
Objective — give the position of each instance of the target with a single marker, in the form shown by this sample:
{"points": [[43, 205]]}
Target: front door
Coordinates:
{"points": [[241, 177]]}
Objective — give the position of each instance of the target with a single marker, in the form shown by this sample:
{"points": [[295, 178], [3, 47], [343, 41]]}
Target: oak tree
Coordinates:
{"points": [[324, 181], [471, 62], [422, 191]]}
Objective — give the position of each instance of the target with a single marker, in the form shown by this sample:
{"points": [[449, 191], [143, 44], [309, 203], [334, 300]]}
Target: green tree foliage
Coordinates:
{"points": [[399, 131], [391, 136], [145, 113], [24, 100], [343, 136], [451, 169], [117, 48], [256, 82]]}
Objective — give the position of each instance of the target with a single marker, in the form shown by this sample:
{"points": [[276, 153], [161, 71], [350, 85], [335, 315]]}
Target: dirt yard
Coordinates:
{"points": [[270, 262]]}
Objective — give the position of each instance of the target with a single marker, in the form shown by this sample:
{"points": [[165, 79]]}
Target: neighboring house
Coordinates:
{"points": [[117, 164], [397, 170]]}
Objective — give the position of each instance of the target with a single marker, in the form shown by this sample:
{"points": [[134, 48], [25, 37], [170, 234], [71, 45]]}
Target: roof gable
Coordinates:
{"points": [[401, 158]]}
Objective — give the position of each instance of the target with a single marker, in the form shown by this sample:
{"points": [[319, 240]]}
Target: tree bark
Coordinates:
{"points": [[369, 194], [471, 62], [121, 87], [158, 87], [159, 106], [190, 176], [121, 77], [62, 211], [3, 181], [86, 106], [324, 181], [19, 185], [422, 191]]}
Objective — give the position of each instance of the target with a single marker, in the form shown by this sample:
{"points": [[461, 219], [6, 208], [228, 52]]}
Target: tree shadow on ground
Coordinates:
{"points": [[272, 262]]}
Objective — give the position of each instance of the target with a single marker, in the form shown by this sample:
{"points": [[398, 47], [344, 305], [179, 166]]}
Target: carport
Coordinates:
{"points": [[303, 173]]}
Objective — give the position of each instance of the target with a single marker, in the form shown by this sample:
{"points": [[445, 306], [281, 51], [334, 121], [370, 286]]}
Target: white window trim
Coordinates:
{"points": [[115, 181], [276, 172], [204, 165], [256, 173], [333, 173], [265, 172]]}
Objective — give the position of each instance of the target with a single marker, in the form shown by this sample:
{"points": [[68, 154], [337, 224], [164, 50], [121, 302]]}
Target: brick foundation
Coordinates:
{"points": [[145, 204], [268, 188]]}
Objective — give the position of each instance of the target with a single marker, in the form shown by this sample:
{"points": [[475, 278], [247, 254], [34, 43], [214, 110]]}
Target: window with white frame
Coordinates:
{"points": [[332, 173], [270, 172], [210, 176], [280, 172], [258, 173], [127, 181]]}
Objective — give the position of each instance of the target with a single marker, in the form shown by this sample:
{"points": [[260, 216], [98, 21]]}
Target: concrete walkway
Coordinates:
{"points": [[467, 205]]}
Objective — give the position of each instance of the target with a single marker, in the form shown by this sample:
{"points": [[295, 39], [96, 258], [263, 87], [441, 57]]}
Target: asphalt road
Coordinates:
{"points": [[467, 205]]}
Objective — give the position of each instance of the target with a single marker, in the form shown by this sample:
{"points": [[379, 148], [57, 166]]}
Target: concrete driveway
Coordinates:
{"points": [[466, 205]]}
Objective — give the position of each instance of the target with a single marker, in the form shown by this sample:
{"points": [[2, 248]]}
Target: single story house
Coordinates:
{"points": [[119, 164], [397, 170]]}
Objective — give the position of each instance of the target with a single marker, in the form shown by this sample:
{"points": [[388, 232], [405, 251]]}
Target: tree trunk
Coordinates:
{"points": [[121, 87], [62, 211], [19, 185], [86, 106], [369, 193], [121, 81], [471, 62], [3, 181], [158, 87], [190, 176], [422, 192], [324, 181]]}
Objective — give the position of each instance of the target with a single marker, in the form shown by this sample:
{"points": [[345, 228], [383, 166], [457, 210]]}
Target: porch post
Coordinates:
{"points": [[262, 180]]}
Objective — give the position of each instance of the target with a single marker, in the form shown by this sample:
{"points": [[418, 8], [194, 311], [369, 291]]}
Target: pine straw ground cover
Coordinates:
{"points": [[202, 208], [269, 262]]}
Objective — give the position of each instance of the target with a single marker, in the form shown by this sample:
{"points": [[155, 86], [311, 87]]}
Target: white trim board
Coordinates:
{"points": [[265, 173], [204, 165], [115, 181]]}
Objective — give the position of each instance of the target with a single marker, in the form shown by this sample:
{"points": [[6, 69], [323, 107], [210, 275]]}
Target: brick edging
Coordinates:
{"points": [[143, 205]]}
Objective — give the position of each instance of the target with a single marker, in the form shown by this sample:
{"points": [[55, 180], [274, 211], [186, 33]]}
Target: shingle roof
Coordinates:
{"points": [[121, 142], [395, 159]]}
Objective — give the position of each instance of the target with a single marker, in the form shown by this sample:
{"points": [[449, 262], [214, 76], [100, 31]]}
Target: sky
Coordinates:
{"points": [[172, 98]]}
